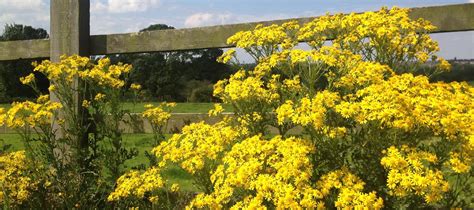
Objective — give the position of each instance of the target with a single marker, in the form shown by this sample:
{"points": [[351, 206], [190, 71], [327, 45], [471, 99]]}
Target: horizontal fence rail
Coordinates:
{"points": [[449, 18]]}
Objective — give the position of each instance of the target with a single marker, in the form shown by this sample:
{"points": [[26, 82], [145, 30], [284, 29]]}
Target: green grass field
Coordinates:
{"points": [[142, 142], [180, 107]]}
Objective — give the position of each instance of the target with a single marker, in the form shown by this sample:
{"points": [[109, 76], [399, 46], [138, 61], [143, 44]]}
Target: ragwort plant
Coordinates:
{"points": [[73, 146], [358, 123]]}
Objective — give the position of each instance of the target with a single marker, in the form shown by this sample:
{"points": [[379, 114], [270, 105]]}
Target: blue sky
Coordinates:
{"points": [[122, 16]]}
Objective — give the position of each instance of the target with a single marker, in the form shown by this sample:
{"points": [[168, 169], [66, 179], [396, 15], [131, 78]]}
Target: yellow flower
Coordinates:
{"points": [[99, 96], [32, 114], [51, 88], [28, 79], [135, 87], [216, 111], [197, 145], [14, 179], [157, 116], [86, 103], [174, 188], [137, 184], [444, 65], [406, 174], [226, 56], [458, 164], [3, 116], [277, 170], [71, 67]]}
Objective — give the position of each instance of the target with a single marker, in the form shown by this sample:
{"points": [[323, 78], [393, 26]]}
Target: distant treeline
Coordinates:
{"points": [[173, 76], [459, 72], [183, 76]]}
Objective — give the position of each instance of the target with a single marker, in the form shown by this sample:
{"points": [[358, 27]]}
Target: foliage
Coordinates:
{"points": [[14, 32]]}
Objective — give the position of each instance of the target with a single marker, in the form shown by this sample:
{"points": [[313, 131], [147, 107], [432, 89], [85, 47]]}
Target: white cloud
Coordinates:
{"points": [[98, 7], [23, 5], [27, 12], [123, 6], [208, 19], [112, 23], [199, 19]]}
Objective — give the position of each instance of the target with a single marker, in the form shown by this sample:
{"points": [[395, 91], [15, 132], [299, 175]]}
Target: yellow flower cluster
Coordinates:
{"points": [[257, 171], [226, 56], [359, 91], [364, 74], [157, 116], [105, 74], [216, 111], [408, 101], [198, 146], [71, 67], [359, 83], [262, 35], [308, 111], [28, 79], [331, 56], [99, 97], [31, 114], [15, 185], [135, 87], [384, 36], [461, 162], [264, 40], [136, 184], [409, 174], [242, 87], [3, 116], [66, 70], [388, 36], [350, 189], [86, 103]]}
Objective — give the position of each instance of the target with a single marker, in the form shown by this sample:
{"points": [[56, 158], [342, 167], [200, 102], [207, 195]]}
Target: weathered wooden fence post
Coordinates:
{"points": [[70, 30], [70, 35]]}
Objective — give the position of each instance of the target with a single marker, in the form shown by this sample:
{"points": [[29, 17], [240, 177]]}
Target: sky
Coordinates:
{"points": [[123, 16]]}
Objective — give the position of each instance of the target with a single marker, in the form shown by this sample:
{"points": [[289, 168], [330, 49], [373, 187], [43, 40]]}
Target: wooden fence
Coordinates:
{"points": [[70, 33]]}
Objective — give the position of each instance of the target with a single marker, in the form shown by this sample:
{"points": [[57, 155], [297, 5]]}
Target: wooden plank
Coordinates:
{"points": [[448, 18], [14, 50], [173, 40]]}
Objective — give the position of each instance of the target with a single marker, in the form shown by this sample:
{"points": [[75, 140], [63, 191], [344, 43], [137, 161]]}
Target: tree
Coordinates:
{"points": [[14, 32], [173, 75], [11, 71]]}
